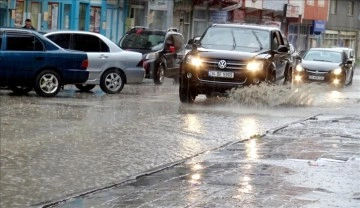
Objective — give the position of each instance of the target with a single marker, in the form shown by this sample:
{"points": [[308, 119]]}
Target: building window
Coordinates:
{"points": [[95, 19], [350, 8], [310, 2], [333, 4], [321, 3], [19, 14], [53, 15]]}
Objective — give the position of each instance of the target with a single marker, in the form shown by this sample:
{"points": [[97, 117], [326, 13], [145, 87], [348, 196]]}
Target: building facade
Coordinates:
{"points": [[343, 26], [306, 23]]}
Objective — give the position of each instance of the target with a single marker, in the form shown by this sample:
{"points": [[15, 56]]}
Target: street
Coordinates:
{"points": [[55, 147]]}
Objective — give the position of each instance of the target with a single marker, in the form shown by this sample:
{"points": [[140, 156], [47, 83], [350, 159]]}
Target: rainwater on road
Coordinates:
{"points": [[55, 147]]}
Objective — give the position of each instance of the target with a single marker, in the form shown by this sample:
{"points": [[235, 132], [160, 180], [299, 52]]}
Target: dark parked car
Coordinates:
{"points": [[163, 51], [233, 55], [330, 65], [29, 60]]}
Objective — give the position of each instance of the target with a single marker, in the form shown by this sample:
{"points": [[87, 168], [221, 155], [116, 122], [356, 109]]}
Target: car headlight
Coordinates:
{"points": [[151, 56], [193, 60], [299, 68], [255, 65], [337, 71]]}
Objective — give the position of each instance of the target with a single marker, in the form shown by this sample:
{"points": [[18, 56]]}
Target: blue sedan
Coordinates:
{"points": [[28, 60]]}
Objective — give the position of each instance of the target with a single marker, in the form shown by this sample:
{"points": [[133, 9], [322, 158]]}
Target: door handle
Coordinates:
{"points": [[39, 58], [102, 56]]}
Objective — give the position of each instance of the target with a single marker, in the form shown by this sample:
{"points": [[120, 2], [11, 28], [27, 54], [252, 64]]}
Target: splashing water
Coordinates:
{"points": [[268, 95]]}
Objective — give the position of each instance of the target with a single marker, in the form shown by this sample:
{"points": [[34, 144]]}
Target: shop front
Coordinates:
{"points": [[48, 15]]}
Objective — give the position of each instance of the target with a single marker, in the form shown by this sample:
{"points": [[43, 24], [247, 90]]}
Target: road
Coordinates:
{"points": [[54, 147]]}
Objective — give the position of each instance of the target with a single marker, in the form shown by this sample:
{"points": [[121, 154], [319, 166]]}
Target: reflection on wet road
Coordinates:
{"points": [[53, 147]]}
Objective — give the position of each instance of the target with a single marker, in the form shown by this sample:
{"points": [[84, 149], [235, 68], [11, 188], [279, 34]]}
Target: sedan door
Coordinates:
{"points": [[25, 55], [98, 52]]}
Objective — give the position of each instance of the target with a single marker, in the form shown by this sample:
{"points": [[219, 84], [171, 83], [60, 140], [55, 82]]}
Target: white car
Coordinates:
{"points": [[109, 66]]}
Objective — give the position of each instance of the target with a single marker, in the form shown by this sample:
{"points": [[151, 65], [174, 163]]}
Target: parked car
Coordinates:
{"points": [[351, 56], [29, 61], [109, 66], [232, 55], [330, 65], [163, 51]]}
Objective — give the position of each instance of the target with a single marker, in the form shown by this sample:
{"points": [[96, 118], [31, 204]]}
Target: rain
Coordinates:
{"points": [[52, 148]]}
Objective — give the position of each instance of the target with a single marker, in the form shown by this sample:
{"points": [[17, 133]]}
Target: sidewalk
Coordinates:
{"points": [[310, 163]]}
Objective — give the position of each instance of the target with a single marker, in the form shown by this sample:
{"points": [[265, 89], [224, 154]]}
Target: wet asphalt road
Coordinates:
{"points": [[53, 147]]}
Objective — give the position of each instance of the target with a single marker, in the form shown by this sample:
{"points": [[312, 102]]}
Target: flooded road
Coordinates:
{"points": [[53, 147]]}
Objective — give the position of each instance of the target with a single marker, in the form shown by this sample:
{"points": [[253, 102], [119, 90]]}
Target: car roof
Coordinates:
{"points": [[327, 49], [17, 29], [168, 31], [258, 27]]}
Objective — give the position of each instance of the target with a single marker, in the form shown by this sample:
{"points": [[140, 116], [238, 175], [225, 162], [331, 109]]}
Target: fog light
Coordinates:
{"points": [[188, 75], [336, 81], [297, 78]]}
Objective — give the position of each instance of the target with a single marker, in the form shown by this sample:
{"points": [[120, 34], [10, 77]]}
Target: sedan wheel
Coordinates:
{"points": [[159, 75], [112, 81], [20, 90], [47, 83], [84, 87]]}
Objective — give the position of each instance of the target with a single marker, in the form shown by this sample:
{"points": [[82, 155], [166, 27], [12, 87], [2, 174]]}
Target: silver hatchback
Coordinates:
{"points": [[109, 66]]}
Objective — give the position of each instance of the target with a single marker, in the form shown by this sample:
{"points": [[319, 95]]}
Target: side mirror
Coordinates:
{"points": [[190, 42], [349, 62], [283, 49]]}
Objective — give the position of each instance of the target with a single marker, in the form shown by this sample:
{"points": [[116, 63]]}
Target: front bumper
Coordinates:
{"points": [[203, 83], [320, 77]]}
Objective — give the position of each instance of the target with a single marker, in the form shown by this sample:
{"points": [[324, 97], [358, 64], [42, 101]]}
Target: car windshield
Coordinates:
{"points": [[240, 39], [325, 56], [149, 40]]}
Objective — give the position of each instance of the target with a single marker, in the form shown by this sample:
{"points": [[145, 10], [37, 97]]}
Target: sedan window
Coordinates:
{"points": [[63, 40], [89, 43], [23, 43]]}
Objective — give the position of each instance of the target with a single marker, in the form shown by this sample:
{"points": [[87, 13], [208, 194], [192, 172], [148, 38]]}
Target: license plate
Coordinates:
{"points": [[316, 77], [221, 74]]}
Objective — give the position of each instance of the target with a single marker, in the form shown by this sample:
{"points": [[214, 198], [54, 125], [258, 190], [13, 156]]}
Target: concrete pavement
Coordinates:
{"points": [[314, 162]]}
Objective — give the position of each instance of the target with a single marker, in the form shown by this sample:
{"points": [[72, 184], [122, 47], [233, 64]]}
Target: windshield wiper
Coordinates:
{"points": [[234, 41], [258, 40]]}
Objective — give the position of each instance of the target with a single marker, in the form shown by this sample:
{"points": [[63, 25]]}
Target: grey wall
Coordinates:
{"points": [[341, 20]]}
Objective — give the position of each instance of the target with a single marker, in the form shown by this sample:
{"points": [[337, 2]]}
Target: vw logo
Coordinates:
{"points": [[222, 64]]}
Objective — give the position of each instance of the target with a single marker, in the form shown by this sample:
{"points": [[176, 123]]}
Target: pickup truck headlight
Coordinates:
{"points": [[299, 68], [337, 71], [255, 65], [151, 56], [193, 60]]}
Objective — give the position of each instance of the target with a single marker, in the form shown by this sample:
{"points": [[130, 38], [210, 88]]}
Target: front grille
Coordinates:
{"points": [[235, 66], [232, 65], [316, 72]]}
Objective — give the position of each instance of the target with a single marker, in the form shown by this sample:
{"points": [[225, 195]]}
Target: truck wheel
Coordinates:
{"points": [[47, 83], [84, 87], [186, 94], [20, 90]]}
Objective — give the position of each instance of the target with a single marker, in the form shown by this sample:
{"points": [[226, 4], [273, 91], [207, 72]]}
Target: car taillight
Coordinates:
{"points": [[85, 64]]}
